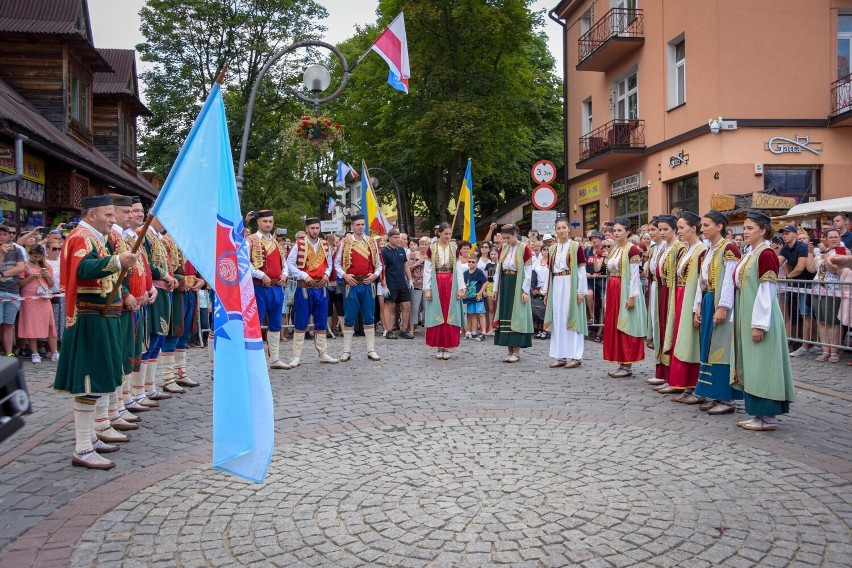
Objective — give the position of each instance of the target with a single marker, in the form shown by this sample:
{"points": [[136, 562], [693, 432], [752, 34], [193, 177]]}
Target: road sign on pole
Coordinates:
{"points": [[543, 172], [544, 197]]}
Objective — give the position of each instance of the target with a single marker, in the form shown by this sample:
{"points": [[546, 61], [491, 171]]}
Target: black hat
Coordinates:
{"points": [[354, 218], [654, 220], [136, 199], [669, 220], [5, 227], [596, 235], [789, 229], [264, 213], [690, 217], [311, 221], [97, 201], [717, 217], [759, 216], [121, 200], [509, 229], [623, 221]]}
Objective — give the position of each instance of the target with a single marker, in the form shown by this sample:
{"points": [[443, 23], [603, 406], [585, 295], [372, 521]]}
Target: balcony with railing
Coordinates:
{"points": [[613, 143], [613, 37], [841, 101]]}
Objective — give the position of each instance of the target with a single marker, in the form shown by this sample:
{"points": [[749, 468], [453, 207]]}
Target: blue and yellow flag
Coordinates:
{"points": [[466, 197]]}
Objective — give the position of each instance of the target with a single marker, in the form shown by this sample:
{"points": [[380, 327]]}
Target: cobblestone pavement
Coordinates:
{"points": [[418, 462]]}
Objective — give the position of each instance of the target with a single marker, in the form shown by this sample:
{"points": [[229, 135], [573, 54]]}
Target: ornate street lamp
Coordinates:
{"points": [[401, 218], [316, 79]]}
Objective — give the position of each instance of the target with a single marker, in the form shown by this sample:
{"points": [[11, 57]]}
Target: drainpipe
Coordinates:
{"points": [[19, 160], [552, 15]]}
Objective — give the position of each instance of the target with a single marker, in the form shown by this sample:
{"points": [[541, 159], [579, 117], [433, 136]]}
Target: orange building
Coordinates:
{"points": [[672, 102]]}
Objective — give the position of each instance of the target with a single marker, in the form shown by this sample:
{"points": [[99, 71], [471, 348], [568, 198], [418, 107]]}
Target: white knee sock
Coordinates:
{"points": [[84, 414]]}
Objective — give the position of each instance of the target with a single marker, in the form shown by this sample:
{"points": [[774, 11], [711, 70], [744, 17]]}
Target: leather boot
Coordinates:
{"points": [[321, 343], [370, 336], [298, 345], [347, 344], [274, 346]]}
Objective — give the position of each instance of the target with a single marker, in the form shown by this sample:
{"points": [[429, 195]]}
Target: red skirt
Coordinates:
{"points": [[662, 316], [444, 336], [681, 375], [618, 347]]}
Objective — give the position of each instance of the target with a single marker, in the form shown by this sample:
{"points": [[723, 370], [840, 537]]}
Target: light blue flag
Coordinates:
{"points": [[199, 207]]}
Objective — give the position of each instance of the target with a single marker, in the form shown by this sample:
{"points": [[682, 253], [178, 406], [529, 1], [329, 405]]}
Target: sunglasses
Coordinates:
{"points": [[607, 246], [55, 248]]}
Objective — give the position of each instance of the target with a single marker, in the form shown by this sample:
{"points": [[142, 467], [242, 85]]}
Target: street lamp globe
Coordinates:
{"points": [[316, 78]]}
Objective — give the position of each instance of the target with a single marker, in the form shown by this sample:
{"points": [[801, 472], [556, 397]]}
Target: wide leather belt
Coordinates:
{"points": [[562, 273], [510, 272]]}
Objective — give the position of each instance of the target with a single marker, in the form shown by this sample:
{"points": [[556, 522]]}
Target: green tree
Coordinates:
{"points": [[188, 40], [482, 87]]}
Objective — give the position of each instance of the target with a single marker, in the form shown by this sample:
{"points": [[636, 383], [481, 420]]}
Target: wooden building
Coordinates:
{"points": [[75, 106]]}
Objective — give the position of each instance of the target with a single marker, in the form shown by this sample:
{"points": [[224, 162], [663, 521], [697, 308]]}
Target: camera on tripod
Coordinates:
{"points": [[14, 399]]}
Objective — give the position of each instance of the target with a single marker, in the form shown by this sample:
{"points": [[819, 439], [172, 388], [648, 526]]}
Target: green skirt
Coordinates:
{"points": [[90, 360], [128, 341], [159, 313], [504, 335]]}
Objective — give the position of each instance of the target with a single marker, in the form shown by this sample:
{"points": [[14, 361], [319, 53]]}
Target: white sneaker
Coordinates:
{"points": [[800, 352], [55, 356], [326, 358], [467, 335], [36, 358], [815, 350], [294, 362]]}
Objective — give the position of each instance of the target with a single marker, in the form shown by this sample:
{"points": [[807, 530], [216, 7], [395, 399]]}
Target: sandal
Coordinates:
{"points": [[621, 373], [834, 358], [822, 357]]}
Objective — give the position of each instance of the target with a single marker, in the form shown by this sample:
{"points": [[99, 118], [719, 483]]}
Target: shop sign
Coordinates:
{"points": [[784, 145], [678, 159], [33, 167], [589, 191], [722, 202], [627, 184], [544, 221], [331, 226], [766, 201]]}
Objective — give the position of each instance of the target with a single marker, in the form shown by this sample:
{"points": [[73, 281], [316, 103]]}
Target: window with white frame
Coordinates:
{"points": [[585, 22], [626, 97], [676, 58], [587, 116]]}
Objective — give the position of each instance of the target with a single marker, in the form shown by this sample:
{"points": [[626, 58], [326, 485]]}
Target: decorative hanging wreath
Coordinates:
{"points": [[317, 130]]}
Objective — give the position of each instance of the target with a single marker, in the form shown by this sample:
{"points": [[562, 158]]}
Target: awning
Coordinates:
{"points": [[815, 209]]}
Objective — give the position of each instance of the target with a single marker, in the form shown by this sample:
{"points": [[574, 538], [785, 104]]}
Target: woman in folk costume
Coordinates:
{"points": [[682, 336], [513, 320], [565, 316], [713, 300], [761, 361], [443, 285], [665, 278], [658, 248], [625, 321]]}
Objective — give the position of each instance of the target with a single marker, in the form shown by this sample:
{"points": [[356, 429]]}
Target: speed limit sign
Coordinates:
{"points": [[543, 172]]}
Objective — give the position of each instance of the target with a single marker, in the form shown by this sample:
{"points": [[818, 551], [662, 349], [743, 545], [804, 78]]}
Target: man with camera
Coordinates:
{"points": [[13, 264]]}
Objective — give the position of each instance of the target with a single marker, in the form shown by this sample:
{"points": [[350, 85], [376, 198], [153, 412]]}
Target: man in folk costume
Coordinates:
{"points": [[141, 327], [358, 264], [159, 313], [565, 317], [133, 293], [269, 274], [90, 365], [513, 276], [309, 262], [182, 318]]}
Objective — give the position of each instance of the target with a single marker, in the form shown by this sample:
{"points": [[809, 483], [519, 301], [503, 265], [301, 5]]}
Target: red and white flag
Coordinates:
{"points": [[392, 45]]}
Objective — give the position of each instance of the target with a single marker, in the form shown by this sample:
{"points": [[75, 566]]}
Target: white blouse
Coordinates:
{"points": [[444, 261], [761, 314], [613, 265], [726, 296], [560, 263], [509, 264]]}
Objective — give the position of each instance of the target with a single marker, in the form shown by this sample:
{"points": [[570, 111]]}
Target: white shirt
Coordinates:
{"points": [[443, 260], [509, 264], [613, 265], [257, 273], [338, 259], [761, 314], [293, 270], [726, 295], [560, 264]]}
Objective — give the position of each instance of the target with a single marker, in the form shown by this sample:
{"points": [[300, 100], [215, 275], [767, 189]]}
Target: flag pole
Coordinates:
{"points": [[124, 271]]}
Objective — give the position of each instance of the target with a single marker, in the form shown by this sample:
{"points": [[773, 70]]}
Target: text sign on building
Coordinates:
{"points": [[797, 145], [766, 201], [544, 221], [543, 172], [681, 158], [722, 202], [589, 191], [627, 184], [33, 167], [332, 226]]}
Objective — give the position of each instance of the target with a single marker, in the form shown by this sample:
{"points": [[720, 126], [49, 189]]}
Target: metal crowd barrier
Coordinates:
{"points": [[815, 313]]}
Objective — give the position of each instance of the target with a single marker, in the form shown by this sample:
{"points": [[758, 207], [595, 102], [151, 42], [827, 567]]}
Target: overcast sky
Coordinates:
{"points": [[115, 23]]}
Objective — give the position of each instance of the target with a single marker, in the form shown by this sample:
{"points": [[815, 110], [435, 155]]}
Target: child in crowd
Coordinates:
{"points": [[464, 254], [475, 281]]}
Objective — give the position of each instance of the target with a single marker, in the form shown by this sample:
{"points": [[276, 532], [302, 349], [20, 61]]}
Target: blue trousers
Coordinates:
{"points": [[360, 298], [310, 302], [270, 304], [155, 344], [174, 342]]}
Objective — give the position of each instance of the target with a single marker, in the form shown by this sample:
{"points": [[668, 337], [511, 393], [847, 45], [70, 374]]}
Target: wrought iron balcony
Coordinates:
{"points": [[618, 33], [841, 95], [615, 142]]}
